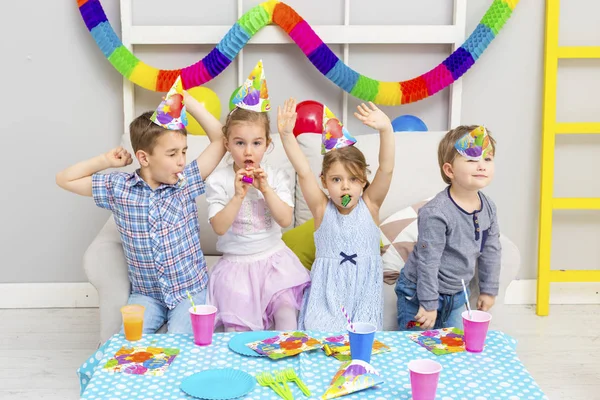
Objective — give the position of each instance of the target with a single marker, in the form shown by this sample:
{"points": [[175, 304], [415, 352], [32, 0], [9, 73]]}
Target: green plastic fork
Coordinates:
{"points": [[280, 377], [266, 379], [290, 374]]}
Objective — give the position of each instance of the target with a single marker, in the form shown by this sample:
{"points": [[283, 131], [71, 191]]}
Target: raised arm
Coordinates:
{"points": [[314, 196], [212, 126], [214, 152], [78, 178], [378, 189]]}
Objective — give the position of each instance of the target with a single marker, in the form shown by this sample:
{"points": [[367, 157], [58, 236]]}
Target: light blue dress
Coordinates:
{"points": [[347, 271]]}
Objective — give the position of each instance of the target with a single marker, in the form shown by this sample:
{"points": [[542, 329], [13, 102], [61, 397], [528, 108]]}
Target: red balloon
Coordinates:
{"points": [[310, 117]]}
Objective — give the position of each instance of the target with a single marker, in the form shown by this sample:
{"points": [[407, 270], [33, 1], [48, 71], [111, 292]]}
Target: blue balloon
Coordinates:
{"points": [[408, 123]]}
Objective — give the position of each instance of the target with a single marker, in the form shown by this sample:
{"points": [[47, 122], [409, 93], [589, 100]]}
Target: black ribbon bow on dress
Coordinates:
{"points": [[348, 258]]}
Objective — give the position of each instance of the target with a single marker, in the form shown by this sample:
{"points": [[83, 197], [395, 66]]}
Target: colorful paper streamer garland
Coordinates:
{"points": [[276, 12]]}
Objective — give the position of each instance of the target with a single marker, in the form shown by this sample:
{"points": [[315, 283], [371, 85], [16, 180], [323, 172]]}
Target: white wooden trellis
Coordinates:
{"points": [[345, 34]]}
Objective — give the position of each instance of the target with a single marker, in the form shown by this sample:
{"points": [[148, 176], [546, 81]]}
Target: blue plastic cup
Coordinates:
{"points": [[361, 340]]}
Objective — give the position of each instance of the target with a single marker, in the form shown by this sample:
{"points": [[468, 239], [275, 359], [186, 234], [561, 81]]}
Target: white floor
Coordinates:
{"points": [[40, 350]]}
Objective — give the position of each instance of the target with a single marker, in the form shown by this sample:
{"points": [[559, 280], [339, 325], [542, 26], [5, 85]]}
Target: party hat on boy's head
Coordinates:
{"points": [[171, 113], [253, 95], [474, 145], [335, 136]]}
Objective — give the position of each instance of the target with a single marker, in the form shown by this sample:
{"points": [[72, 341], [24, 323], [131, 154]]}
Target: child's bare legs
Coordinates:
{"points": [[286, 318]]}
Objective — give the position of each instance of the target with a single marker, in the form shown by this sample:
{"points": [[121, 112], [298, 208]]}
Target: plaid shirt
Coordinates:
{"points": [[160, 232]]}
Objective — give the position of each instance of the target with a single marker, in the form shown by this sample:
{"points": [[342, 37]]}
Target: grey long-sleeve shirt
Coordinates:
{"points": [[451, 243]]}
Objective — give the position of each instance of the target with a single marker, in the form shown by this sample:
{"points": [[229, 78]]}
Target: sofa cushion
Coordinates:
{"points": [[399, 234], [301, 241], [416, 171]]}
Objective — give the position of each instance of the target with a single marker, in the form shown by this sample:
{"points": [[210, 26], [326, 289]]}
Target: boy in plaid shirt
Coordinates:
{"points": [[155, 212]]}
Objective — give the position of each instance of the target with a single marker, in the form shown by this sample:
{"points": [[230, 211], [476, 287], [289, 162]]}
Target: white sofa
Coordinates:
{"points": [[416, 177]]}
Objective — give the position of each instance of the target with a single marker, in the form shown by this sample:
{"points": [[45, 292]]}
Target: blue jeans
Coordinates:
{"points": [[450, 307], [156, 313]]}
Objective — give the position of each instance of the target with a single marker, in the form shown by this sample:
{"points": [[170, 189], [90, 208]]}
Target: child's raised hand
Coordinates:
{"points": [[372, 116], [118, 157], [188, 99], [260, 180], [426, 318], [286, 117], [485, 302]]}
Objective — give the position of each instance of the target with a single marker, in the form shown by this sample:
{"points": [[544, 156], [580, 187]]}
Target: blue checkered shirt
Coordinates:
{"points": [[159, 230]]}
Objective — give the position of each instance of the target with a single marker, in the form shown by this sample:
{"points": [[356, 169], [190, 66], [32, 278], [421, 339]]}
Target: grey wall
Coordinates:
{"points": [[62, 103]]}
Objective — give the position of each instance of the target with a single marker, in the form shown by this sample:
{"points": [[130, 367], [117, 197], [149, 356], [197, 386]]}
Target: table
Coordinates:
{"points": [[495, 374]]}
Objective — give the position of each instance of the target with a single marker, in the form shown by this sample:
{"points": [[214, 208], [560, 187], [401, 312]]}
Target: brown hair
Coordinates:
{"points": [[353, 161], [144, 133], [239, 116], [446, 151]]}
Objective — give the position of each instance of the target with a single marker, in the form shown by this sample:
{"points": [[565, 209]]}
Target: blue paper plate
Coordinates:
{"points": [[238, 342], [218, 384]]}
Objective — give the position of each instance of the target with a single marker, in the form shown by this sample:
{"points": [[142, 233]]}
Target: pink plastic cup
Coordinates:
{"points": [[424, 376], [203, 324], [476, 328]]}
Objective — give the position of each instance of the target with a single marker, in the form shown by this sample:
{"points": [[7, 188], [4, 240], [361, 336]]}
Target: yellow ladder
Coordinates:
{"points": [[550, 128]]}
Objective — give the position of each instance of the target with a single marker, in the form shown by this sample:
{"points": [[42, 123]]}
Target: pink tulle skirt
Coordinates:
{"points": [[248, 290]]}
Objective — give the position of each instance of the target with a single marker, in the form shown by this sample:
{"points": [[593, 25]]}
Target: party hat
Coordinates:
{"points": [[335, 135], [171, 113], [253, 94], [352, 376], [474, 145]]}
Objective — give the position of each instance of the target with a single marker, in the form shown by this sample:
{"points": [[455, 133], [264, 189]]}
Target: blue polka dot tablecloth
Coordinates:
{"points": [[495, 374]]}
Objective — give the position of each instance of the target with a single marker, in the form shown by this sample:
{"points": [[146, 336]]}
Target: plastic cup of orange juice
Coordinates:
{"points": [[133, 321]]}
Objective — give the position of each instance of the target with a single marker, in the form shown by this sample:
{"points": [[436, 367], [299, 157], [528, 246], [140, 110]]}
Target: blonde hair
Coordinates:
{"points": [[239, 116], [446, 151], [144, 133], [353, 161]]}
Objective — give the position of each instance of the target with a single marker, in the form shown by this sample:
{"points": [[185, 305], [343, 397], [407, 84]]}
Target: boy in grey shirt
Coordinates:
{"points": [[458, 231]]}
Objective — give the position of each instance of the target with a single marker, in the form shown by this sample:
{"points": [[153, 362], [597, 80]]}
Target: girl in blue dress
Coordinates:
{"points": [[348, 269]]}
